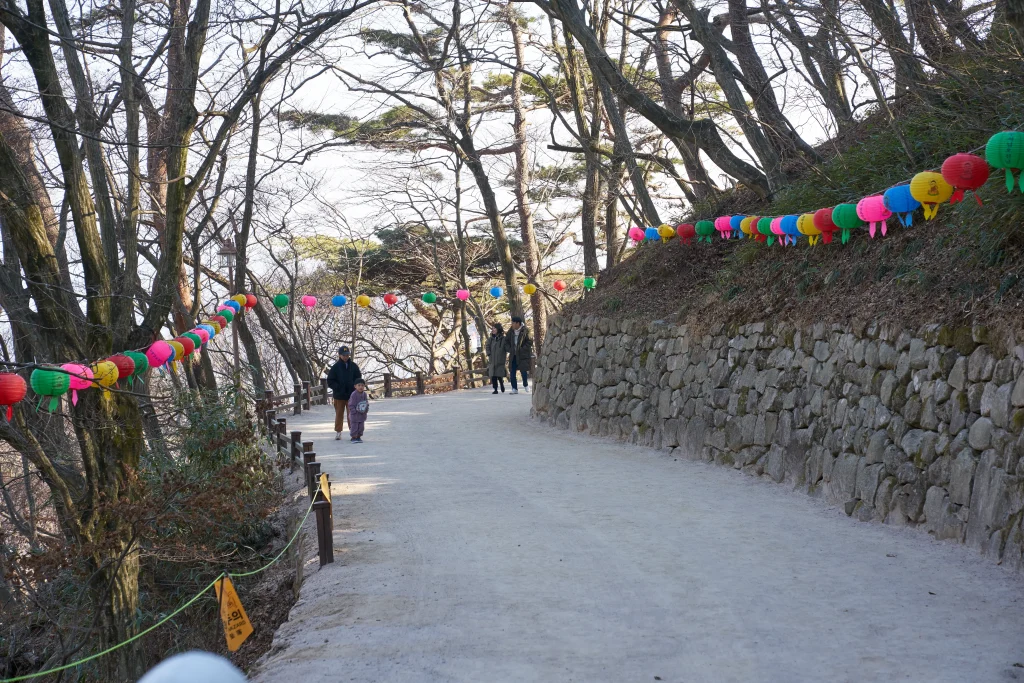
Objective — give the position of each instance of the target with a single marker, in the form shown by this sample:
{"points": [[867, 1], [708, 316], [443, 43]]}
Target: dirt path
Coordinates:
{"points": [[476, 545]]}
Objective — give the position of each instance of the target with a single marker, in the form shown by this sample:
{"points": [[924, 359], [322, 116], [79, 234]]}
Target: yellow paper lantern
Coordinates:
{"points": [[214, 324], [805, 225], [666, 232], [530, 289], [746, 225], [179, 350], [240, 300], [363, 300], [105, 374], [931, 189]]}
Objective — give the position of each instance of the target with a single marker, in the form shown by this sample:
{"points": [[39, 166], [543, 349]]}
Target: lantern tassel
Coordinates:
{"points": [[53, 403], [10, 413], [958, 196], [978, 199], [1009, 180], [74, 397]]}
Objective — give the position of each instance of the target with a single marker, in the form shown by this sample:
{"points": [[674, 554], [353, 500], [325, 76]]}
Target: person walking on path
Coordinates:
{"points": [[520, 353], [342, 380], [497, 356], [358, 408]]}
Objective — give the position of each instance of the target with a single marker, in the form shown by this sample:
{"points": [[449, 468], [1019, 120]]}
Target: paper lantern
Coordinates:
{"points": [[363, 301], [589, 283], [559, 285], [931, 189], [776, 226], [210, 331], [651, 235], [281, 301], [824, 223], [227, 315], [338, 300], [179, 350], [233, 305], [105, 375], [204, 336], [789, 228], [214, 325], [1006, 150], [748, 226], [686, 232], [241, 300], [429, 298], [805, 224], [390, 299], [846, 219], [666, 232], [308, 301], [197, 341], [79, 379], [636, 234], [125, 366], [50, 384], [764, 230], [734, 226], [705, 229], [724, 227], [496, 292], [221, 320], [873, 211], [141, 364], [222, 307], [188, 346], [12, 390], [251, 301], [530, 289], [158, 353], [965, 172], [899, 200], [462, 294]]}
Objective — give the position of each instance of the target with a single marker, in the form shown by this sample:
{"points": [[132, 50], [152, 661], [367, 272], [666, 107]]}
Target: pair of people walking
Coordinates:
{"points": [[346, 383], [513, 349]]}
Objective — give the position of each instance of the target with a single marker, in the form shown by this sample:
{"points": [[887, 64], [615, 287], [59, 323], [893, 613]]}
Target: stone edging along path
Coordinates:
{"points": [[920, 428]]}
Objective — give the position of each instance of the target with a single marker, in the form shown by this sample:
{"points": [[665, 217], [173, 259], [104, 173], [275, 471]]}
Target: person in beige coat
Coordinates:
{"points": [[497, 355]]}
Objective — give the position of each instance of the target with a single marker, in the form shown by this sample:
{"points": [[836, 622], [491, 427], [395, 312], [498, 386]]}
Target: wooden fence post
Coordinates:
{"points": [[387, 385], [324, 531], [295, 450], [307, 400], [323, 390], [270, 422], [312, 475], [282, 429], [420, 386], [308, 456], [297, 399], [456, 378]]}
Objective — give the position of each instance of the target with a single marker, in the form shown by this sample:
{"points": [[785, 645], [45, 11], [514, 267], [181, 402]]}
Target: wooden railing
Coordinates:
{"points": [[421, 384]]}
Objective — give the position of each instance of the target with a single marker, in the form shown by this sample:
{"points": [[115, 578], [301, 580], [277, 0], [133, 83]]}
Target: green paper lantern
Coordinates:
{"points": [[1006, 150], [226, 314], [429, 298], [764, 229], [281, 300], [141, 365], [589, 283], [196, 339], [846, 218], [705, 229], [50, 383]]}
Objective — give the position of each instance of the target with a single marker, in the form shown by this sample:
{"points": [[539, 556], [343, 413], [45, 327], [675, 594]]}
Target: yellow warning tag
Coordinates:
{"points": [[325, 486], [236, 622]]}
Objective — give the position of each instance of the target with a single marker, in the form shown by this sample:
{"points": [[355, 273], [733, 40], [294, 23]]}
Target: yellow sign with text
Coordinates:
{"points": [[325, 486], [236, 622]]}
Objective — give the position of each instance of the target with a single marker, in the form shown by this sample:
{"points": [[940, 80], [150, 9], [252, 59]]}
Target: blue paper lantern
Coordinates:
{"points": [[652, 235], [233, 305], [338, 300], [788, 225], [496, 292], [735, 223], [899, 200], [209, 330]]}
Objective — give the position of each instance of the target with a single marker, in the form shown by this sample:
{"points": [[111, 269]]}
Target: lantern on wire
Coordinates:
{"points": [[899, 200], [338, 300], [241, 300], [125, 365], [824, 223], [846, 219], [363, 301], [12, 390], [724, 227], [228, 315], [666, 232], [748, 226], [931, 189], [651, 235], [188, 346], [776, 226], [589, 283], [79, 379], [141, 364], [179, 350], [51, 384], [462, 294], [390, 299], [686, 232], [159, 354], [1006, 150], [210, 331], [251, 301], [764, 230], [735, 223], [221, 320], [873, 211], [105, 375], [559, 285], [529, 289], [496, 292], [197, 341], [790, 229], [805, 225], [215, 325], [281, 301], [201, 334], [233, 305], [308, 301], [705, 229], [429, 298], [965, 172], [636, 234]]}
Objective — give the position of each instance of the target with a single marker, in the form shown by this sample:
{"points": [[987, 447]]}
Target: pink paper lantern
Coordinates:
{"points": [[463, 294], [201, 333], [873, 210], [724, 227], [222, 307], [636, 234], [308, 301], [79, 379], [776, 225], [158, 353]]}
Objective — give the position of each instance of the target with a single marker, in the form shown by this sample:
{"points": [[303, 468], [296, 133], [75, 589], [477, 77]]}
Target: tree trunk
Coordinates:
{"points": [[907, 67]]}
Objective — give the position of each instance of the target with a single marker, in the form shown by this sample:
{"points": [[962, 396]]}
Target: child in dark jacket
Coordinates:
{"points": [[358, 408]]}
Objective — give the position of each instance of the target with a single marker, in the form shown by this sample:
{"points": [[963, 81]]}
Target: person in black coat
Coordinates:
{"points": [[342, 381]]}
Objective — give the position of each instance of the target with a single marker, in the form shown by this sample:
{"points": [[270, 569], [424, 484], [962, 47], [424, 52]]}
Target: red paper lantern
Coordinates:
{"points": [[12, 390], [964, 172], [251, 300], [187, 344], [390, 299], [559, 285], [823, 222], [125, 365], [686, 232], [220, 320]]}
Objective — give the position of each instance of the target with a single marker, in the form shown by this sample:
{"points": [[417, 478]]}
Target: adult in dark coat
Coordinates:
{"points": [[342, 382], [497, 357], [520, 353]]}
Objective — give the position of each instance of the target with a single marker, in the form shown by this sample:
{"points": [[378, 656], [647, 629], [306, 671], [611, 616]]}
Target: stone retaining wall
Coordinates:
{"points": [[907, 428]]}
